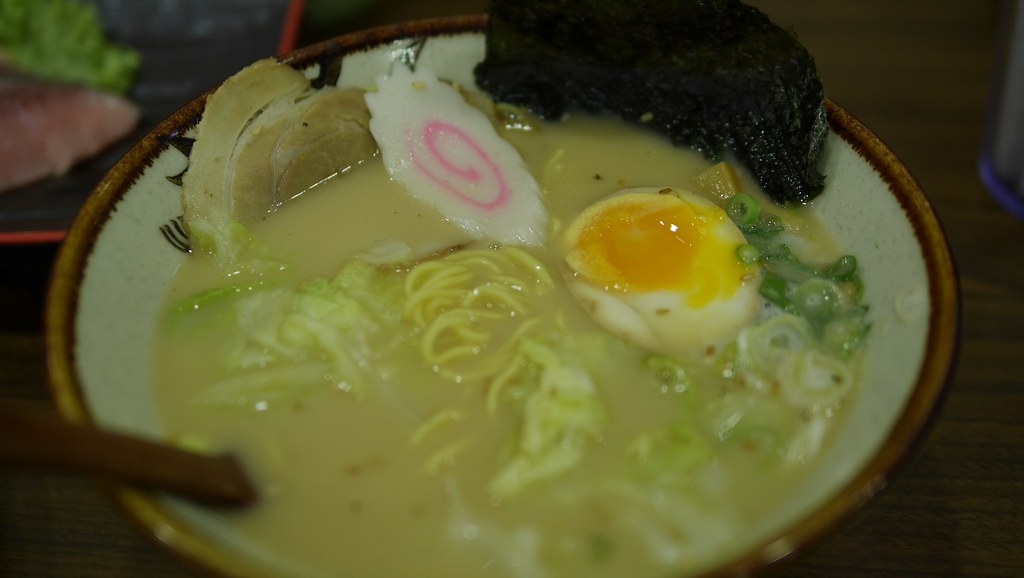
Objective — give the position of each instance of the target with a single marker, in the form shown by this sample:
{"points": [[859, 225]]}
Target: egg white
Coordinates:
{"points": [[663, 320]]}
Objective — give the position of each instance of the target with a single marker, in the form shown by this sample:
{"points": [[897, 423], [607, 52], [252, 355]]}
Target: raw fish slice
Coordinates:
{"points": [[447, 153], [46, 128]]}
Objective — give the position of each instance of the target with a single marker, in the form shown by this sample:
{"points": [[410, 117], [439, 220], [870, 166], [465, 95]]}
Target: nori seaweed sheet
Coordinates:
{"points": [[716, 74]]}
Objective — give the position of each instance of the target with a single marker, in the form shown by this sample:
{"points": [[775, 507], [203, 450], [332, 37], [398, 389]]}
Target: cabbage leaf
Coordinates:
{"points": [[294, 340], [561, 416]]}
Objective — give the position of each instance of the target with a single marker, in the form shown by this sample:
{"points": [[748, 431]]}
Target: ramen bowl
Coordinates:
{"points": [[127, 243]]}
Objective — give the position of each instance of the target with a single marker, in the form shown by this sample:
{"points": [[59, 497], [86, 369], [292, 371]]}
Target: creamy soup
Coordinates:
{"points": [[483, 423]]}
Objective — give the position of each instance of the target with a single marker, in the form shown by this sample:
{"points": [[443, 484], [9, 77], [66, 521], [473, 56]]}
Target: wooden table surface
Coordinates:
{"points": [[917, 72]]}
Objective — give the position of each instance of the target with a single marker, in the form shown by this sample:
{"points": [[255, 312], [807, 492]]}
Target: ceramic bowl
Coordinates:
{"points": [[126, 244]]}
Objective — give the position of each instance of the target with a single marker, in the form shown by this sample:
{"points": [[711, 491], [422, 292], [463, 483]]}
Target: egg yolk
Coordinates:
{"points": [[645, 243]]}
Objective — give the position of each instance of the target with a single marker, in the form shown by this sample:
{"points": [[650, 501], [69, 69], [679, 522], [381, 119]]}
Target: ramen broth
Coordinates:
{"points": [[396, 478]]}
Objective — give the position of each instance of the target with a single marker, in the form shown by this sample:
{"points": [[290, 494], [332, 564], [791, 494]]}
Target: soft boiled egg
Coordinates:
{"points": [[660, 267]]}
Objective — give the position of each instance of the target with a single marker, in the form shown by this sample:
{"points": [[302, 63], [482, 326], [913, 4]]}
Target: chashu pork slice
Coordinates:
{"points": [[267, 136]]}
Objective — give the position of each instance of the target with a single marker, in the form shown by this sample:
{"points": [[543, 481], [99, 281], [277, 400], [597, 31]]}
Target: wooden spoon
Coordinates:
{"points": [[36, 438]]}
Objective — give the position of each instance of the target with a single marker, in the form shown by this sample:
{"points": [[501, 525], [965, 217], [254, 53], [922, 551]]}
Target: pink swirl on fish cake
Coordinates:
{"points": [[433, 133]]}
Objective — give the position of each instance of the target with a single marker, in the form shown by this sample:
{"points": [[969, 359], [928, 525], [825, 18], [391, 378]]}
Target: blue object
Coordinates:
{"points": [[1002, 192]]}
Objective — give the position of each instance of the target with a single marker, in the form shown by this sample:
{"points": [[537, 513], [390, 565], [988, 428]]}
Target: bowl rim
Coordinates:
{"points": [[910, 429]]}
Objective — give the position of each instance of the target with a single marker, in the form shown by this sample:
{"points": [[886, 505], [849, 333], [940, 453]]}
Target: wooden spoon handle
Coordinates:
{"points": [[36, 438]]}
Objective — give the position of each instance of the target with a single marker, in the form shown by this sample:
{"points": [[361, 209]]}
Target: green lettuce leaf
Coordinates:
{"points": [[63, 41]]}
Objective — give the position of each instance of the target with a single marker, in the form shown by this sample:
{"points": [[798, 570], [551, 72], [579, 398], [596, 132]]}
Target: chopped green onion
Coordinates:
{"points": [[846, 334], [773, 221], [748, 254], [670, 375], [816, 298], [774, 288], [843, 269], [816, 380], [743, 209], [766, 227]]}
